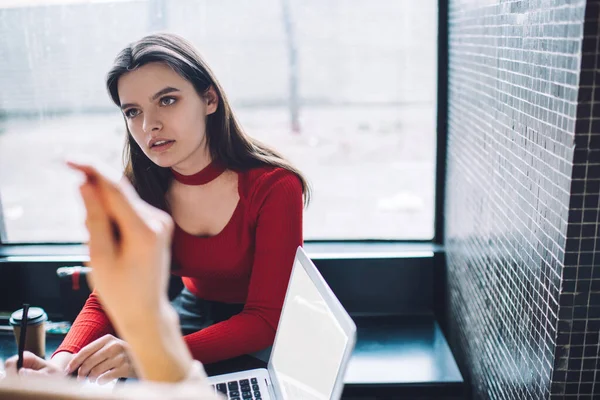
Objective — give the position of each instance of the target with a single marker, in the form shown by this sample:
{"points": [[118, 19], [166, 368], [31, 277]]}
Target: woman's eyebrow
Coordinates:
{"points": [[161, 92], [164, 91]]}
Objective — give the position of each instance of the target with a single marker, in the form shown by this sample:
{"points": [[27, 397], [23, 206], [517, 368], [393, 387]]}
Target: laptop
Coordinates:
{"points": [[314, 340]]}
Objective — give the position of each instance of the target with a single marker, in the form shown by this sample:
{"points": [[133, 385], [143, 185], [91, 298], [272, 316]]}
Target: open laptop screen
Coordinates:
{"points": [[310, 342]]}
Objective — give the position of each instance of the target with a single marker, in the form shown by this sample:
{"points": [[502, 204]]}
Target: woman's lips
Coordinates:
{"points": [[163, 147]]}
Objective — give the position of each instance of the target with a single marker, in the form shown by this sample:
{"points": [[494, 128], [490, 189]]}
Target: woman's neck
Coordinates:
{"points": [[194, 163], [206, 175]]}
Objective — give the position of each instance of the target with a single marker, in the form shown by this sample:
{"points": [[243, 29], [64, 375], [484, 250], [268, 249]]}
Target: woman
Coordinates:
{"points": [[237, 207]]}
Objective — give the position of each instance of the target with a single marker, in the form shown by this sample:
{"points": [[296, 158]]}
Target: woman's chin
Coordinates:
{"points": [[163, 162]]}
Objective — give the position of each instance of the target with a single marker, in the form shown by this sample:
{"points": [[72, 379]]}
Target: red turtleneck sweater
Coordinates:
{"points": [[249, 262]]}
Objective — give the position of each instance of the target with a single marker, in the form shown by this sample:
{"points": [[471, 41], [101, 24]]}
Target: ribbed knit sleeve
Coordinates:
{"points": [[92, 323], [278, 206]]}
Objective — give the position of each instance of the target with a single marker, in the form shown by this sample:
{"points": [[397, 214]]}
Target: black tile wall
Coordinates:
{"points": [[577, 362], [514, 72]]}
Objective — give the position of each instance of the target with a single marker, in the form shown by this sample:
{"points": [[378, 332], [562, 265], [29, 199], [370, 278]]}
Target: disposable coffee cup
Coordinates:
{"points": [[35, 338]]}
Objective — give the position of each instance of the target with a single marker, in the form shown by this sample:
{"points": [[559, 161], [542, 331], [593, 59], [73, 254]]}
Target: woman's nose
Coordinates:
{"points": [[151, 123]]}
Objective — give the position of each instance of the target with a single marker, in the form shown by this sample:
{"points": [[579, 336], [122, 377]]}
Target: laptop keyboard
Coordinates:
{"points": [[244, 389]]}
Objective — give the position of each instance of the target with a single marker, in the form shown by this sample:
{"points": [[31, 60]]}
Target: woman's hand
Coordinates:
{"points": [[102, 361], [129, 244], [33, 366]]}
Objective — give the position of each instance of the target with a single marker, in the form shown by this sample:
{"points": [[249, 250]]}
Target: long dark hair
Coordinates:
{"points": [[226, 140]]}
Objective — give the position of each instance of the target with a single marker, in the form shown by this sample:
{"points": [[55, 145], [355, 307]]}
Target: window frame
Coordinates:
{"points": [[2, 226]]}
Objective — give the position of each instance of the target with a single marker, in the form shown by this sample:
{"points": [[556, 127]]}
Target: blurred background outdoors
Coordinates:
{"points": [[346, 89]]}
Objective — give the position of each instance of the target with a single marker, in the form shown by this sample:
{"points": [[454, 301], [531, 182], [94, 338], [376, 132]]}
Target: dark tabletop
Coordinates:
{"points": [[392, 354]]}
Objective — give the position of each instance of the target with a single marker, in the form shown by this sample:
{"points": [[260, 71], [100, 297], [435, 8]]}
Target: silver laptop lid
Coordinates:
{"points": [[315, 338]]}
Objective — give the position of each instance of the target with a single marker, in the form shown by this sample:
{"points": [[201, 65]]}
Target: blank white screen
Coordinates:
{"points": [[310, 342]]}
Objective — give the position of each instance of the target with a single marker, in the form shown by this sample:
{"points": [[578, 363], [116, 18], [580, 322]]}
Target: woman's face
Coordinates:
{"points": [[166, 116]]}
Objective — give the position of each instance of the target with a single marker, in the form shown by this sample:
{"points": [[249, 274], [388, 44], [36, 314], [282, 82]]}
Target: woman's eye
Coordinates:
{"points": [[167, 101], [132, 112]]}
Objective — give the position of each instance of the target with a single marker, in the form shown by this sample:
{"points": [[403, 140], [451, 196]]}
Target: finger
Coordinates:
{"points": [[10, 365], [86, 352], [105, 366], [93, 171], [101, 241], [87, 366], [162, 218], [30, 361], [109, 353], [118, 199], [113, 374], [26, 372], [129, 212], [90, 279]]}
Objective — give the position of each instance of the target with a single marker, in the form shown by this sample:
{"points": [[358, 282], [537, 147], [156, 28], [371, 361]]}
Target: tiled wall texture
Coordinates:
{"points": [[522, 197], [577, 364]]}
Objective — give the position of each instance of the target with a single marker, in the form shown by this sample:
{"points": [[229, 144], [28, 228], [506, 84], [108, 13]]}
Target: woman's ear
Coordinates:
{"points": [[212, 100]]}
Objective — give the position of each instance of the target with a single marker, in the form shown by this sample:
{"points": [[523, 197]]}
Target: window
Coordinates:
{"points": [[365, 75]]}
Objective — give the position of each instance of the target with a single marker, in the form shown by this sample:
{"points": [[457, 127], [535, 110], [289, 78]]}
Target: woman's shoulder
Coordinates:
{"points": [[259, 182], [269, 174]]}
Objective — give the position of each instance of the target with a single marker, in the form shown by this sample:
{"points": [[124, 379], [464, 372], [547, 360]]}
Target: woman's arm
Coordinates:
{"points": [[279, 208], [155, 339], [62, 359], [91, 324], [129, 249]]}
